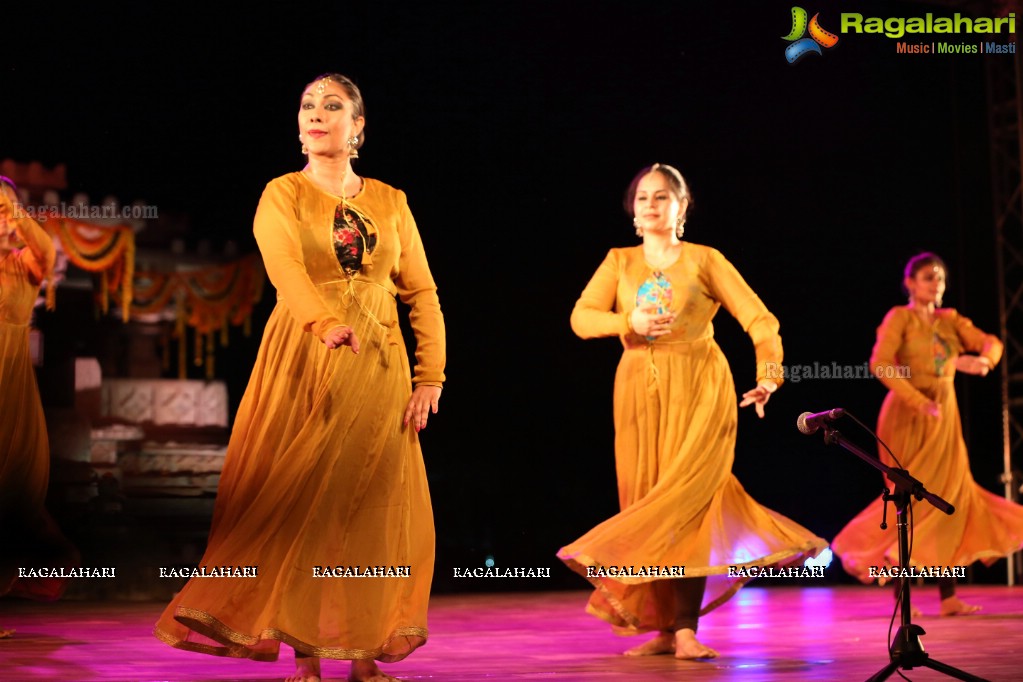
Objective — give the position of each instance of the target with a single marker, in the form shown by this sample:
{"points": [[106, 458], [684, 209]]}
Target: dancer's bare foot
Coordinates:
{"points": [[663, 643], [954, 606], [367, 671], [6, 633], [687, 646], [307, 669]]}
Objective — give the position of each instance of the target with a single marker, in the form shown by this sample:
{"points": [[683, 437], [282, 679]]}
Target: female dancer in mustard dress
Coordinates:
{"points": [[675, 428], [919, 421], [28, 535], [324, 474]]}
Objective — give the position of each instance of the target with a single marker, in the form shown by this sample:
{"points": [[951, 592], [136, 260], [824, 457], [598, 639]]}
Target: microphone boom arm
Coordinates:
{"points": [[900, 478]]}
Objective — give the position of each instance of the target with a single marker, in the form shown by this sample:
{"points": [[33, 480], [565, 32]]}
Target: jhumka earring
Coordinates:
{"points": [[639, 230], [305, 150], [680, 227], [353, 150]]}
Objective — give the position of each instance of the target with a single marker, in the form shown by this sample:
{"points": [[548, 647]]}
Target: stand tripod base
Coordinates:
{"points": [[908, 653]]}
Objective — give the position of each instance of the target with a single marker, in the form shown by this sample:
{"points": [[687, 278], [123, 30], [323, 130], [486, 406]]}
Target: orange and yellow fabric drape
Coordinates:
{"points": [[208, 299], [106, 251]]}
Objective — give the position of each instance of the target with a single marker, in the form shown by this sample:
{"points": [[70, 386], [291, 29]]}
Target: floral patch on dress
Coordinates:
{"points": [[352, 237], [655, 291], [942, 352]]}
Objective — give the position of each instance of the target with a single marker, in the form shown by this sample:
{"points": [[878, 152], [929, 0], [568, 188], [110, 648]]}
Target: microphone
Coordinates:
{"points": [[808, 423]]}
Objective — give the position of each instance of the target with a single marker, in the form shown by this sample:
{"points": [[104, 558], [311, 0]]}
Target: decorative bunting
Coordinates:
{"points": [[106, 251], [209, 300]]}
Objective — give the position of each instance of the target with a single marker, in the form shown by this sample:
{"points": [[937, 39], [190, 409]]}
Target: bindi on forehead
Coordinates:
{"points": [[322, 85]]}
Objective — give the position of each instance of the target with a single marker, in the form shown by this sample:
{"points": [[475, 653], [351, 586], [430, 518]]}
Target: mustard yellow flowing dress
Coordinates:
{"points": [[28, 536], [984, 526], [320, 471], [675, 416]]}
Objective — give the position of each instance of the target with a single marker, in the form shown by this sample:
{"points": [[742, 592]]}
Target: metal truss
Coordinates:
{"points": [[1005, 123]]}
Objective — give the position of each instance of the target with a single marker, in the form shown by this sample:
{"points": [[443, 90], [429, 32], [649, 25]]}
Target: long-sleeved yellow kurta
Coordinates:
{"points": [[675, 415], [984, 526], [320, 471], [27, 533]]}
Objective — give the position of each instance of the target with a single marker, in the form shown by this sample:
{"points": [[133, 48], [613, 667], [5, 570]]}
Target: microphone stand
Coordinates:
{"points": [[907, 652]]}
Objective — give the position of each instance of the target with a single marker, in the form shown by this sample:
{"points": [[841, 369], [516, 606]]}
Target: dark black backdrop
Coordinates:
{"points": [[514, 128]]}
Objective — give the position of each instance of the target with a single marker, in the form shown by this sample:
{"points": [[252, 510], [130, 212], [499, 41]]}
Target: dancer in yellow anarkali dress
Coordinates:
{"points": [[675, 428], [28, 536], [324, 467], [920, 422]]}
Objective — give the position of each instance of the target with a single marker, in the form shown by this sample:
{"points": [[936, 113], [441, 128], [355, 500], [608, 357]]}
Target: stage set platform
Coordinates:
{"points": [[764, 633]]}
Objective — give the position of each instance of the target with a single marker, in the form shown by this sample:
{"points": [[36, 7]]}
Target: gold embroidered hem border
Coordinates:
{"points": [[238, 645], [987, 557], [580, 563]]}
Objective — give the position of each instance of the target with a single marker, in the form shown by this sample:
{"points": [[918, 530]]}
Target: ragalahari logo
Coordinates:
{"points": [[801, 46]]}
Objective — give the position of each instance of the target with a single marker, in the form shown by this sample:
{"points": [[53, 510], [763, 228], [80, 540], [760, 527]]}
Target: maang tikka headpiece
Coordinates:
{"points": [[322, 85]]}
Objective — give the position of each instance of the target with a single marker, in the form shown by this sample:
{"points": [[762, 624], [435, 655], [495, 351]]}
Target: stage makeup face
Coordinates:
{"points": [[656, 206], [927, 285], [327, 118]]}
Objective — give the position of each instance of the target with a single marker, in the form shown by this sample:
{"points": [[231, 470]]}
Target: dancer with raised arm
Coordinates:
{"points": [[675, 421], [324, 467], [920, 422]]}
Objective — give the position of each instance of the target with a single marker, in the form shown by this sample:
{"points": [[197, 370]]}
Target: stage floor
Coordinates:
{"points": [[765, 633]]}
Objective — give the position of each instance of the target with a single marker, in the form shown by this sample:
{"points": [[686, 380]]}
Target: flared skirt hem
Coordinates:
{"points": [[626, 623], [264, 647], [985, 556]]}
